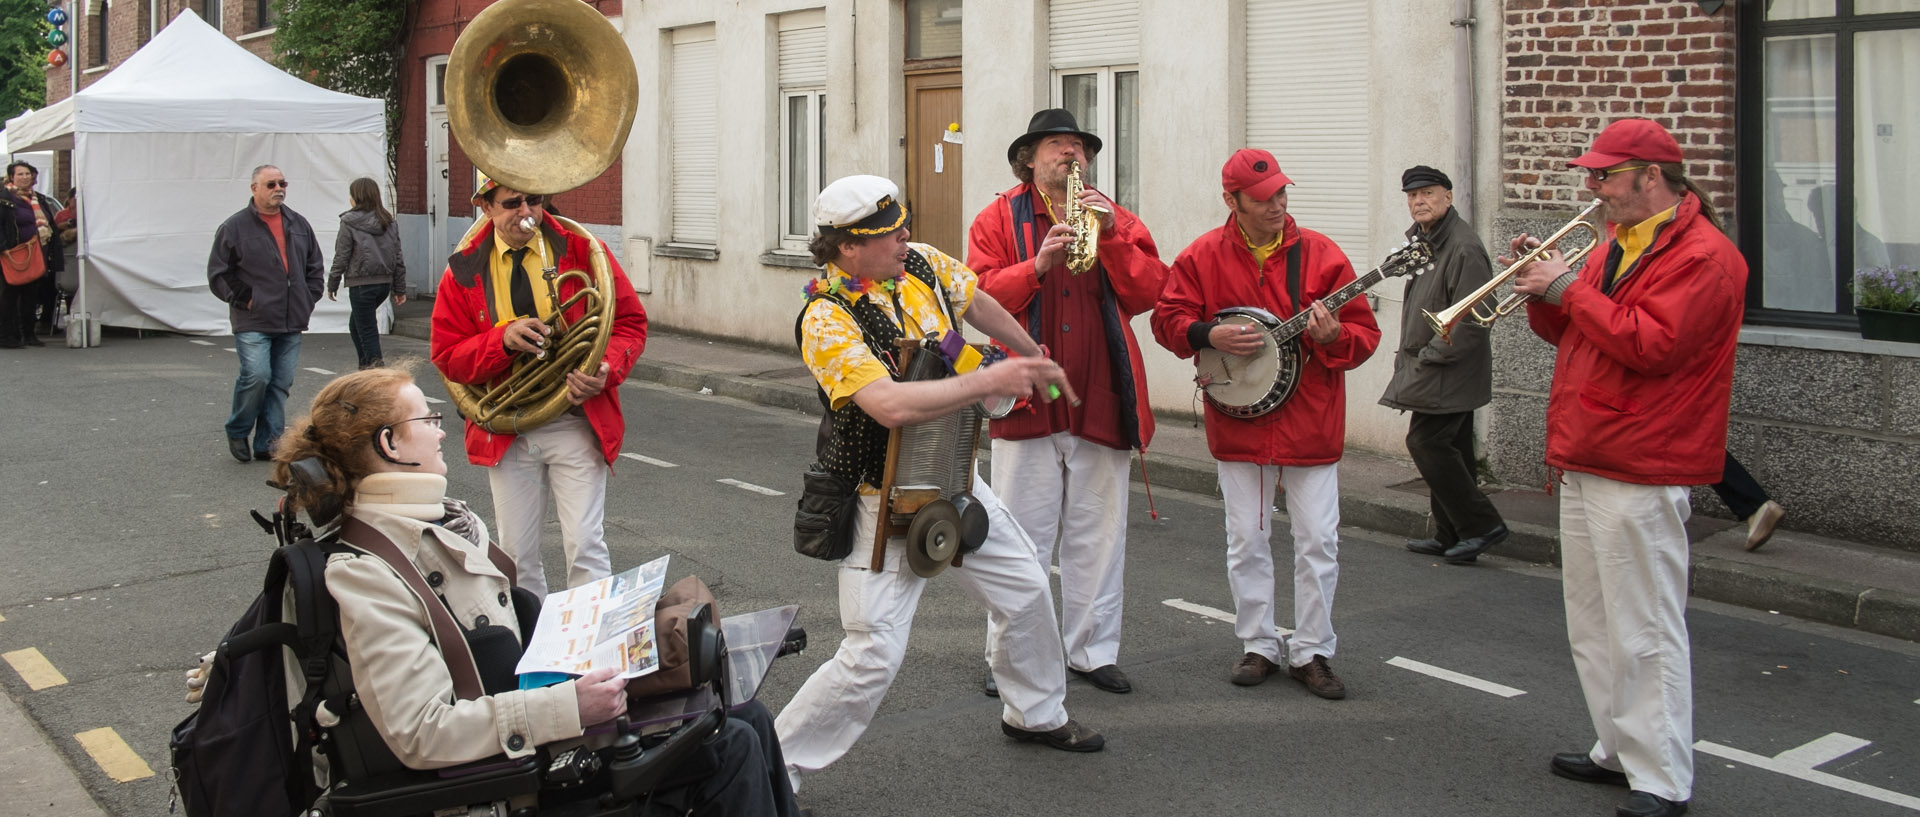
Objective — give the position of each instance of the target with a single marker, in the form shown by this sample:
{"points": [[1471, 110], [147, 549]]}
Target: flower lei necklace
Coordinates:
{"points": [[851, 286]]}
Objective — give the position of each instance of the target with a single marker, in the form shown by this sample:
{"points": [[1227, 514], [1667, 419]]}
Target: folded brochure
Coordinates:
{"points": [[607, 623]]}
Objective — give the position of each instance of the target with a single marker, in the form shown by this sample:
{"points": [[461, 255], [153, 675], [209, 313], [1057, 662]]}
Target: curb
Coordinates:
{"points": [[1829, 601]]}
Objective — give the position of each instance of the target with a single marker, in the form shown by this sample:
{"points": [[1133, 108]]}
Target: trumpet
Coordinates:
{"points": [[1469, 308]]}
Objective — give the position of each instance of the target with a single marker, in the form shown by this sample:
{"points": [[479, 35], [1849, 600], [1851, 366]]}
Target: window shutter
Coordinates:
{"points": [[1081, 33], [803, 57], [695, 153], [1307, 97]]}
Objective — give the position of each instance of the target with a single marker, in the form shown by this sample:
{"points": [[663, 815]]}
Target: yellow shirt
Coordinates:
{"points": [[1261, 251], [830, 338], [500, 268], [1636, 239]]}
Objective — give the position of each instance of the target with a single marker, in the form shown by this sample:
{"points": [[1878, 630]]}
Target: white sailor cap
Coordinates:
{"points": [[863, 205]]}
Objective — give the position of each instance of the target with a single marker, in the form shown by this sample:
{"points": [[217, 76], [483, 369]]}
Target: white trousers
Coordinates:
{"points": [[1064, 489], [832, 709], [1624, 576], [1313, 503], [566, 454]]}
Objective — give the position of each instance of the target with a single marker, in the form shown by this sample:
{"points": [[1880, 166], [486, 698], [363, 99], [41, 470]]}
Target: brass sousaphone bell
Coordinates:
{"points": [[541, 95]]}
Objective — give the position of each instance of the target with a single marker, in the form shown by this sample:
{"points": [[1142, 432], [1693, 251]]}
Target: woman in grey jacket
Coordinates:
{"points": [[367, 255]]}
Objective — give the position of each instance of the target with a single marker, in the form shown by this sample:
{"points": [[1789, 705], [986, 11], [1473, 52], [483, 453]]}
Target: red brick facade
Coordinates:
{"points": [[435, 26], [130, 25], [1573, 66]]}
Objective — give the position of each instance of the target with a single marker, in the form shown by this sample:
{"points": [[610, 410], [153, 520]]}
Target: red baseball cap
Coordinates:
{"points": [[1627, 140], [1254, 172]]}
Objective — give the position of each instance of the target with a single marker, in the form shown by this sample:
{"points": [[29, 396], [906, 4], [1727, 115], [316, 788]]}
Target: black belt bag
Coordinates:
{"points": [[823, 524]]}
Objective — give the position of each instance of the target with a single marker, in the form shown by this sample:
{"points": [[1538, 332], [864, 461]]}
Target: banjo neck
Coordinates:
{"points": [[1292, 327]]}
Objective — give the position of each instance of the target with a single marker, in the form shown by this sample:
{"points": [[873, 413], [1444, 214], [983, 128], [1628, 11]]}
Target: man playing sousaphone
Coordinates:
{"points": [[1063, 468], [877, 288], [488, 318], [1261, 258]]}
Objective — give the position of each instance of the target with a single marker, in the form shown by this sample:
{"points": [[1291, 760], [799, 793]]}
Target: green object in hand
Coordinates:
{"points": [[1053, 392]]}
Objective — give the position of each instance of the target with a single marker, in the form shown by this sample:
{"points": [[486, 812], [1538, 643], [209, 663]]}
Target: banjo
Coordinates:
{"points": [[1252, 385]]}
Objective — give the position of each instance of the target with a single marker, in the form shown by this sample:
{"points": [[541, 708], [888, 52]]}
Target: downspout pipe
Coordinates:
{"points": [[1463, 170]]}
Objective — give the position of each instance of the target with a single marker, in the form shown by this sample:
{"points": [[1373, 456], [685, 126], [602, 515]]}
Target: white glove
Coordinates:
{"points": [[197, 679]]}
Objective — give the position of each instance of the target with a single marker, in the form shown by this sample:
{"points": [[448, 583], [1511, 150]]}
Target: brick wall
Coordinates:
{"points": [[1573, 66], [129, 26], [436, 25]]}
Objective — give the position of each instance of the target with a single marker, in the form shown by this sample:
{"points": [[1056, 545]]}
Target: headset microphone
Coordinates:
{"points": [[386, 434]]}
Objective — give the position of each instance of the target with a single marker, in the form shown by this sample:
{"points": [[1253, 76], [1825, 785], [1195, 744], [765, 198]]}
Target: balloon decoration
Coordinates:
{"points": [[56, 16]]}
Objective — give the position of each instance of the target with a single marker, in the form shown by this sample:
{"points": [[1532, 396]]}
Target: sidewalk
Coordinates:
{"points": [[1831, 581]]}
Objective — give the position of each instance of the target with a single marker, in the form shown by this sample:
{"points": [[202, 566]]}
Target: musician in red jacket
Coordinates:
{"points": [[1642, 379], [1062, 468], [485, 324], [1248, 262]]}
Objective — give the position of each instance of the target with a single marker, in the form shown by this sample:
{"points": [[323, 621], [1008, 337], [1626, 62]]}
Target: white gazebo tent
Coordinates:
{"points": [[163, 150]]}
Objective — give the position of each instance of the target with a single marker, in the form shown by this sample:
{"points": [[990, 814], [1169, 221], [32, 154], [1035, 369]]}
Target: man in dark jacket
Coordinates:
{"points": [[1442, 380], [266, 265]]}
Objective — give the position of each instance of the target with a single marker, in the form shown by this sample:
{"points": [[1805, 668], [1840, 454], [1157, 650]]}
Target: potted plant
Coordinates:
{"points": [[1887, 300]]}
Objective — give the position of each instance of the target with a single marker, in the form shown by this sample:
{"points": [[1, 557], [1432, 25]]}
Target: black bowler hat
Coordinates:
{"points": [[1051, 121], [1420, 176]]}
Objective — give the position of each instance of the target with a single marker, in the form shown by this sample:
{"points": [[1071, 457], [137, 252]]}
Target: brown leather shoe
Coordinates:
{"points": [[1761, 524], [1070, 737], [1319, 679], [1252, 670]]}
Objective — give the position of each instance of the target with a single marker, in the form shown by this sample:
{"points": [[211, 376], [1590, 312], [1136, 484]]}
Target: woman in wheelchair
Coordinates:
{"points": [[377, 446]]}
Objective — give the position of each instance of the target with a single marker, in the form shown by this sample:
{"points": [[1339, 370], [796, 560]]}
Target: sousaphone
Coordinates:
{"points": [[541, 95]]}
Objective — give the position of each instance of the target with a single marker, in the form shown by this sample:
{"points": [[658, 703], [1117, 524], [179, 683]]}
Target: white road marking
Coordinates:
{"points": [[648, 460], [748, 486], [203, 342], [435, 400], [1800, 771], [1824, 749], [318, 370], [1214, 613], [231, 349], [1501, 690]]}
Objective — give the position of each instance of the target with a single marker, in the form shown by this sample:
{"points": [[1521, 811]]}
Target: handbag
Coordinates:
{"points": [[823, 522], [675, 672], [23, 262]]}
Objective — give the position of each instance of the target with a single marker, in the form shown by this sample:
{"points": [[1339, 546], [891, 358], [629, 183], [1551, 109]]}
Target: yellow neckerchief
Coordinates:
{"points": [[1636, 239], [1046, 202], [1262, 251], [500, 267]]}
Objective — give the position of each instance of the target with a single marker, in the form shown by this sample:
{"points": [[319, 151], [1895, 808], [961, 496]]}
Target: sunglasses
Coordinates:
{"points": [[274, 184], [1601, 175], [530, 201]]}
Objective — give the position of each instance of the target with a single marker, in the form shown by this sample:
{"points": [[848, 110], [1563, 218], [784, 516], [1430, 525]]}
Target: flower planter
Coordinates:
{"points": [[1880, 324]]}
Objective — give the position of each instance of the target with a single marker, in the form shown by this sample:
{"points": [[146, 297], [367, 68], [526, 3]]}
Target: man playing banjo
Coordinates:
{"points": [[1261, 258]]}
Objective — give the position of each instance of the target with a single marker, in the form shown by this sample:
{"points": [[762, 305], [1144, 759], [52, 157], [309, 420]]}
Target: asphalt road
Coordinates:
{"points": [[129, 551]]}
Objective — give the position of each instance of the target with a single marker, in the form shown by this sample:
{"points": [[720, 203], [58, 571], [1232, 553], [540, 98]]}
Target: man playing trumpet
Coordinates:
{"points": [[1642, 379], [488, 315]]}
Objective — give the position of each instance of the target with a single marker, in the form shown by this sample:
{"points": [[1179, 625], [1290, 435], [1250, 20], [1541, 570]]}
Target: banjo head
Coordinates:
{"points": [[1251, 385]]}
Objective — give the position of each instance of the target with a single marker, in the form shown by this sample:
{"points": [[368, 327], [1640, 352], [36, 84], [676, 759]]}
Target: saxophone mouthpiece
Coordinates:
{"points": [[528, 223]]}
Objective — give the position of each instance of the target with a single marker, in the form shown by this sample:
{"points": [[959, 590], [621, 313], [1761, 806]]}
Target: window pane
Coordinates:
{"points": [[1799, 179], [1126, 138], [1080, 95], [1884, 6], [1886, 120], [797, 186], [933, 29], [819, 151], [1799, 9]]}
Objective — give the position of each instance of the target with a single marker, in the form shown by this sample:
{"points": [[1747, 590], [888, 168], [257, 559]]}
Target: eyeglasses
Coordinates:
{"points": [[530, 201], [432, 420], [1602, 174], [274, 184]]}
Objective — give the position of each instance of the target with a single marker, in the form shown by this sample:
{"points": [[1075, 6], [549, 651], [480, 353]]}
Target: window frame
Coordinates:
{"points": [[793, 236], [263, 19], [101, 36], [213, 12], [1750, 133], [1105, 169]]}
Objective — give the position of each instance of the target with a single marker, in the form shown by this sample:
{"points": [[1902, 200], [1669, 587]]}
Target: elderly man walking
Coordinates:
{"points": [[266, 265]]}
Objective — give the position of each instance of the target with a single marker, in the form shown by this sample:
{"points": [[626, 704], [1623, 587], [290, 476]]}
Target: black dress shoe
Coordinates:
{"points": [[1108, 678], [990, 688], [1580, 766], [1427, 547], [1470, 549], [1642, 804], [237, 446]]}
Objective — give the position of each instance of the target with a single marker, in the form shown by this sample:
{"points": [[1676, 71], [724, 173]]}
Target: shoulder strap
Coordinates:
{"points": [[1293, 274], [1022, 209], [446, 631]]}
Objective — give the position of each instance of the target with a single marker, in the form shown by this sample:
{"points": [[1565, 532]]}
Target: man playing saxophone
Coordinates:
{"points": [[488, 317], [1073, 283]]}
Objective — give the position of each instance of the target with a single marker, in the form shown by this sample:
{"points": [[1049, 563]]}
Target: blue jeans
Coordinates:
{"points": [[364, 324], [267, 362]]}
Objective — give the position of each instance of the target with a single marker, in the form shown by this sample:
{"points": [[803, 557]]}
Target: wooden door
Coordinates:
{"points": [[933, 165]]}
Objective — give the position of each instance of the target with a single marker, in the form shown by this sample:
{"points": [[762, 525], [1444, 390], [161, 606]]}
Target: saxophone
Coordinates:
{"points": [[1083, 252]]}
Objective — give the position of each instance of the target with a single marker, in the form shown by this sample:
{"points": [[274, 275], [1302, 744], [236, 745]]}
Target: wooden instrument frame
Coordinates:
{"points": [[910, 501]]}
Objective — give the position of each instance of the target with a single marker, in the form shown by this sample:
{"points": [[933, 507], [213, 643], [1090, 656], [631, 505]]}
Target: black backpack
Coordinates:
{"points": [[244, 752]]}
